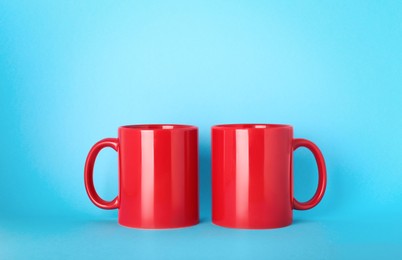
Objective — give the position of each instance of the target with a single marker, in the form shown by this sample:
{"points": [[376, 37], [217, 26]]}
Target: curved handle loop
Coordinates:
{"points": [[89, 171], [322, 175]]}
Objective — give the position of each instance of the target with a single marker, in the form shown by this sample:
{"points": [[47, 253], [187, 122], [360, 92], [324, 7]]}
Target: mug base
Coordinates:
{"points": [[159, 228], [252, 227]]}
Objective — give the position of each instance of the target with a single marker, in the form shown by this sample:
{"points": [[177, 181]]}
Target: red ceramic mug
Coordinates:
{"points": [[158, 176], [252, 175]]}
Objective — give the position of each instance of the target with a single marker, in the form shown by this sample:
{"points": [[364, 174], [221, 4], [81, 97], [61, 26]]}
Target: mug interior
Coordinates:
{"points": [[250, 126], [159, 127]]}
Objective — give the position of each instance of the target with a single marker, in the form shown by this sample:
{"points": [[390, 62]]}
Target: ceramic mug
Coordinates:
{"points": [[158, 176], [252, 175]]}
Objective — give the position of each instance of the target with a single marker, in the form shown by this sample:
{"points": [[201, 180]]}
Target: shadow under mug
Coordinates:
{"points": [[158, 176], [252, 175]]}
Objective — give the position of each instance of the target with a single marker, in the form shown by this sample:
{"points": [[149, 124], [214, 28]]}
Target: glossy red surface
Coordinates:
{"points": [[252, 175], [158, 176]]}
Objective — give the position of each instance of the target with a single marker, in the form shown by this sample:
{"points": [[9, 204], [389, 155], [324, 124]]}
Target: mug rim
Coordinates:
{"points": [[250, 126], [158, 127]]}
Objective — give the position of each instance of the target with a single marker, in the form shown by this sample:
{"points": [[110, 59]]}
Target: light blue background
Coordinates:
{"points": [[72, 72]]}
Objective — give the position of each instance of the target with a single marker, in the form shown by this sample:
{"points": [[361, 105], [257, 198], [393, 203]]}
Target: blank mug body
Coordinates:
{"points": [[158, 176], [252, 175]]}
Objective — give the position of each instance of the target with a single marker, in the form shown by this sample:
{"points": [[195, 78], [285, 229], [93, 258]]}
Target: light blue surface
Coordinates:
{"points": [[71, 73]]}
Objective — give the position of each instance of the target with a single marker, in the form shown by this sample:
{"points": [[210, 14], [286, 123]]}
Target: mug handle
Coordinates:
{"points": [[89, 171], [322, 175]]}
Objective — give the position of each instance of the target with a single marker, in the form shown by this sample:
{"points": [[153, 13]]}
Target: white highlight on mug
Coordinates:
{"points": [[148, 174], [242, 173]]}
